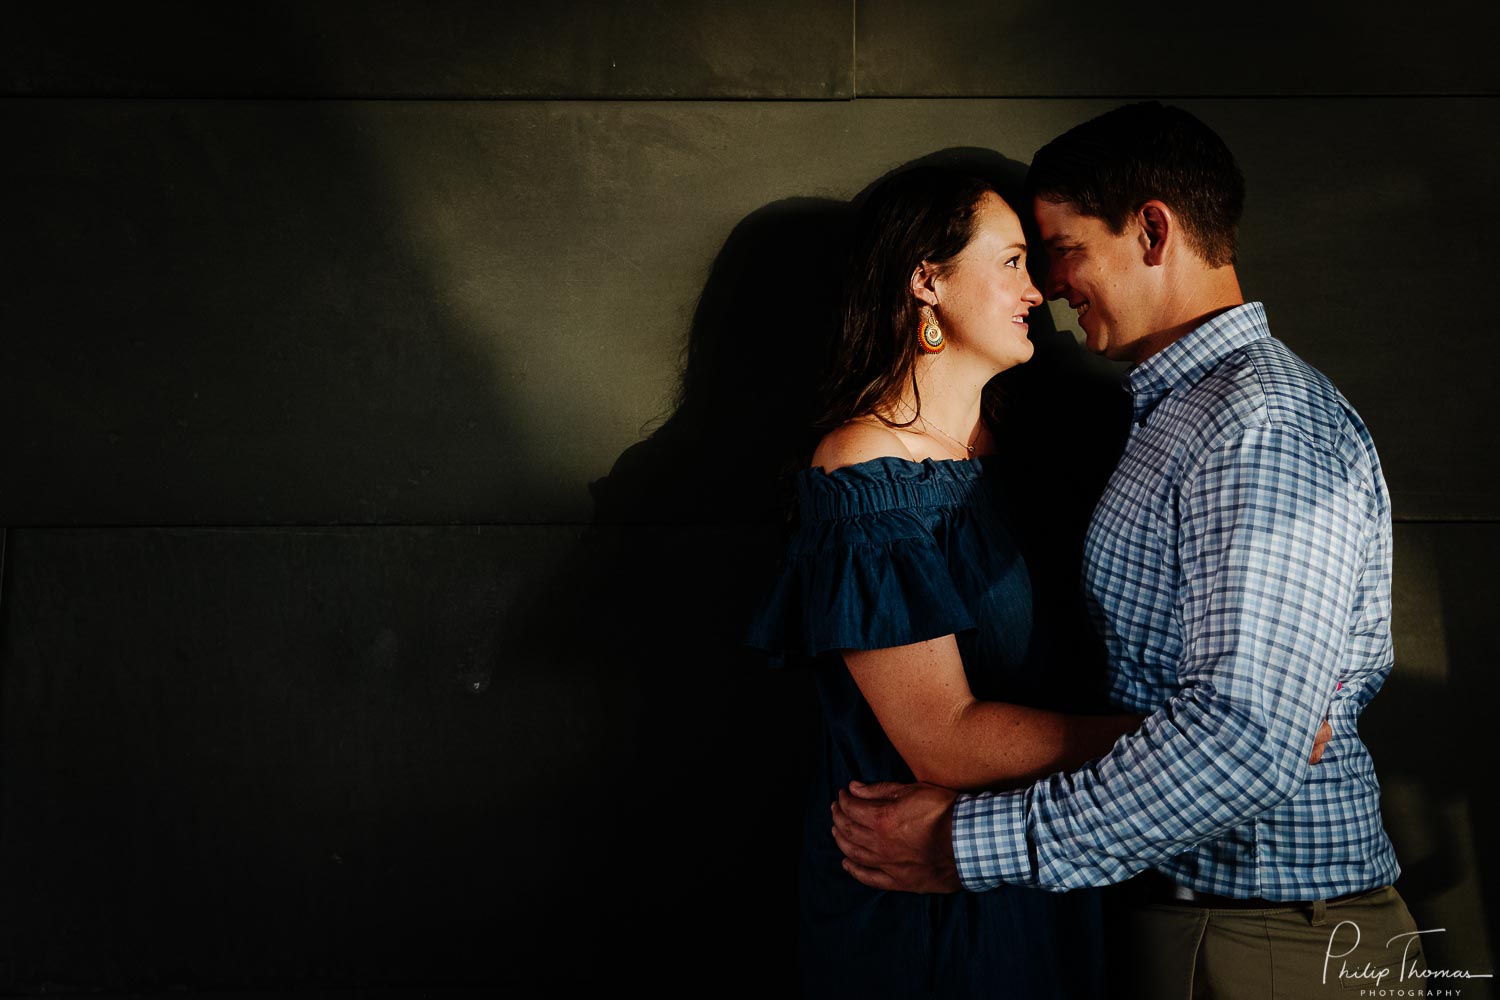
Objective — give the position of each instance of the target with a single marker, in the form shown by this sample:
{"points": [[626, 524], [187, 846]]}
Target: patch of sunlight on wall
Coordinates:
{"points": [[1064, 318]]}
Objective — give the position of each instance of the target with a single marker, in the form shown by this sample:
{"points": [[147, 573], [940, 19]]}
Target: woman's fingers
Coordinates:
{"points": [[1320, 742]]}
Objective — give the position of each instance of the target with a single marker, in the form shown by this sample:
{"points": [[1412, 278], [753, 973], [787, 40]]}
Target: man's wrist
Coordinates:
{"points": [[989, 840]]}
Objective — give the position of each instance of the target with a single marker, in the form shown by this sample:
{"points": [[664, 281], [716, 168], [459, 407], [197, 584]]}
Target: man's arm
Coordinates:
{"points": [[1272, 544]]}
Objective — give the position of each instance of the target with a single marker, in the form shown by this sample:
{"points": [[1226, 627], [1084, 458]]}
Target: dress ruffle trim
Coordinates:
{"points": [[859, 595]]}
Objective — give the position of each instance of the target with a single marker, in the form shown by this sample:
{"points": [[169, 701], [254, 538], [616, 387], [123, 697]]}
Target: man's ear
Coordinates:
{"points": [[923, 283], [1158, 228]]}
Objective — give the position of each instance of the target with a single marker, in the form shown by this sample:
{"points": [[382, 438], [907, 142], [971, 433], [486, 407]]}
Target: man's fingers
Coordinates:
{"points": [[854, 838], [872, 877], [847, 831], [860, 811], [853, 850], [879, 790]]}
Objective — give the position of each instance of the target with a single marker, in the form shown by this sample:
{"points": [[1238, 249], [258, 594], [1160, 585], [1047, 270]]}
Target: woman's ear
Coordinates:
{"points": [[1158, 231], [923, 283]]}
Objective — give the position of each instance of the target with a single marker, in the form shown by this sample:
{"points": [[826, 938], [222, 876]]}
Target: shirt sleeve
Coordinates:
{"points": [[1272, 541]]}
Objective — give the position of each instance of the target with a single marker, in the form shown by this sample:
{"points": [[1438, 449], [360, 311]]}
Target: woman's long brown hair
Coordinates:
{"points": [[921, 215]]}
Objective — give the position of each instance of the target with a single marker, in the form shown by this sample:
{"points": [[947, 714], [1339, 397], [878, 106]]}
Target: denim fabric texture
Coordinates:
{"points": [[890, 552]]}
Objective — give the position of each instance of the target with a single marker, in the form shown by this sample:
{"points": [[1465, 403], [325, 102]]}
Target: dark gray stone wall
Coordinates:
{"points": [[393, 399]]}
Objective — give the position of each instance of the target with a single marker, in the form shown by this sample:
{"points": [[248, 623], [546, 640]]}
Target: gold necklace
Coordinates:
{"points": [[969, 448]]}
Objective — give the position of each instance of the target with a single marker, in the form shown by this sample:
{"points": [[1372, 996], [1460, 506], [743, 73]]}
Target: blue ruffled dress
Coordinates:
{"points": [[890, 552]]}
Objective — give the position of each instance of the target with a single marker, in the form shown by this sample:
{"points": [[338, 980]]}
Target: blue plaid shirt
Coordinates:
{"points": [[1238, 567]]}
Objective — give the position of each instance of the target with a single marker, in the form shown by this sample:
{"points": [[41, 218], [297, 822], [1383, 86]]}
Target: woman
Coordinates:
{"points": [[905, 585]]}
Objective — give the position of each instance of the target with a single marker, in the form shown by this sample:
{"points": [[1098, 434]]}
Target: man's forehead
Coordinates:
{"points": [[1059, 221], [1054, 230]]}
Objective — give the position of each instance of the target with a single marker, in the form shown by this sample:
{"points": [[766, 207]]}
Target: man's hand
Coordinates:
{"points": [[897, 837]]}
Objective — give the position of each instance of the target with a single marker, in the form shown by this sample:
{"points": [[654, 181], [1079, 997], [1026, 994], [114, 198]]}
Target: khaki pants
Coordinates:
{"points": [[1182, 952]]}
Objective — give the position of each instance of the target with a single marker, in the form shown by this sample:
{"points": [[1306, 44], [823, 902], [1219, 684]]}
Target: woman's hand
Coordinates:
{"points": [[1320, 741]]}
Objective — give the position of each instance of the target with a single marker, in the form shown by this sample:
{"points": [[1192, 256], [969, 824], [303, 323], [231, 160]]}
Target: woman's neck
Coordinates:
{"points": [[950, 398]]}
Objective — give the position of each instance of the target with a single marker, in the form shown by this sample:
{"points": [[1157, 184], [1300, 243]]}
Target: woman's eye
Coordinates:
{"points": [[1014, 261]]}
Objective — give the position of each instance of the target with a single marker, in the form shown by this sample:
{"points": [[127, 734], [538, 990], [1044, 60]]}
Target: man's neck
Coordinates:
{"points": [[1189, 304]]}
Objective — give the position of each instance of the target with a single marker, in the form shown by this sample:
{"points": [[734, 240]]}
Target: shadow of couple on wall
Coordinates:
{"points": [[689, 527]]}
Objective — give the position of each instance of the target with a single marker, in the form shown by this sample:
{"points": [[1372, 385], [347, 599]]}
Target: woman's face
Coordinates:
{"points": [[984, 299]]}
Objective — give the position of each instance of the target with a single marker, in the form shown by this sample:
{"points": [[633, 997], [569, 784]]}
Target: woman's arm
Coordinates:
{"points": [[947, 737]]}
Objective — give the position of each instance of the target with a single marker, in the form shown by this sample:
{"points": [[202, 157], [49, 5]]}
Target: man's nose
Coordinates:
{"points": [[1053, 285]]}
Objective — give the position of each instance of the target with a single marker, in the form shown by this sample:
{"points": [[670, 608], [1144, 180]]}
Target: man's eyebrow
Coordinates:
{"points": [[1057, 239]]}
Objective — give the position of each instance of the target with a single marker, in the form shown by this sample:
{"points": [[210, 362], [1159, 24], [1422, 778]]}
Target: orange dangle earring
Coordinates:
{"points": [[930, 335]]}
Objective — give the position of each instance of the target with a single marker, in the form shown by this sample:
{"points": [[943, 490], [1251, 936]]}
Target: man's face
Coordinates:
{"points": [[1102, 275]]}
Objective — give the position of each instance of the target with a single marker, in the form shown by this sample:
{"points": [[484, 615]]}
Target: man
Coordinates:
{"points": [[1238, 567]]}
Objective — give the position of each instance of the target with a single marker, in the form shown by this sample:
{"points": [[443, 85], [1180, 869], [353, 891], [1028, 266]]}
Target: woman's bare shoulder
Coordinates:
{"points": [[857, 441]]}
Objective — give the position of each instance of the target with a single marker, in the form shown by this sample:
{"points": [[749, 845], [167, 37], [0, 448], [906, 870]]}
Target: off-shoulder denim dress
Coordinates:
{"points": [[890, 552]]}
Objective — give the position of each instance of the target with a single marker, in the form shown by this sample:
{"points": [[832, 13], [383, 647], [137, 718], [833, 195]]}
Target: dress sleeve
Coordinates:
{"points": [[868, 581]]}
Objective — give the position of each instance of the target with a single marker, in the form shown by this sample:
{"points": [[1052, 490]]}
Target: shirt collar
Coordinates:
{"points": [[1189, 358]]}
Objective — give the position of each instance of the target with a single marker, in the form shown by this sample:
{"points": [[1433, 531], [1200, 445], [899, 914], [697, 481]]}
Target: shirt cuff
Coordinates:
{"points": [[989, 840]]}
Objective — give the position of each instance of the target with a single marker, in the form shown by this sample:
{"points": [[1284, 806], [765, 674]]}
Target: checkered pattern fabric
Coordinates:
{"points": [[1239, 569]]}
